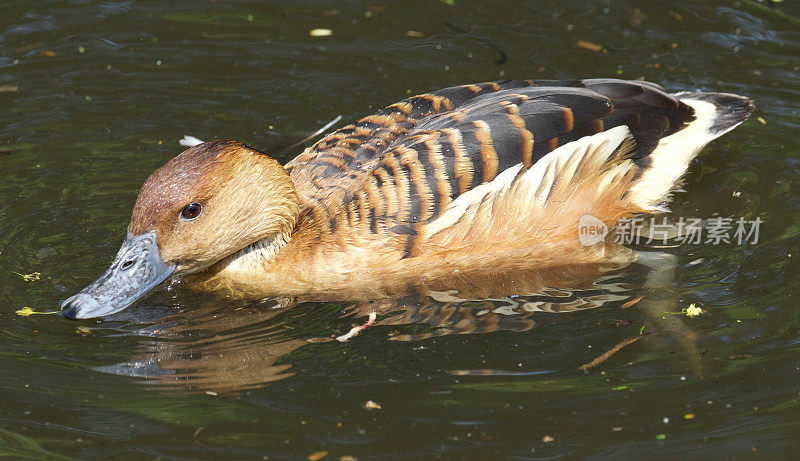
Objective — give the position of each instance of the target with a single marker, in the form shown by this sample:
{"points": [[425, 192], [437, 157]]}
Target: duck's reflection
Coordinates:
{"points": [[469, 306], [236, 347], [213, 349]]}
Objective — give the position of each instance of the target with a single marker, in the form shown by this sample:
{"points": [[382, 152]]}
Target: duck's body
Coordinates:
{"points": [[486, 177]]}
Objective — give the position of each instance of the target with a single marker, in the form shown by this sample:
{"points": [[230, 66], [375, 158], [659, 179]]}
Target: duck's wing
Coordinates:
{"points": [[342, 162], [401, 169]]}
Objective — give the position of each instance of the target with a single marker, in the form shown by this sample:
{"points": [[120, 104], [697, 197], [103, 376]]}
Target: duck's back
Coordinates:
{"points": [[431, 166]]}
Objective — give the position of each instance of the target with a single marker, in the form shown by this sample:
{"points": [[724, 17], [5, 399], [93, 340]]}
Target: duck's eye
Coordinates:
{"points": [[191, 211]]}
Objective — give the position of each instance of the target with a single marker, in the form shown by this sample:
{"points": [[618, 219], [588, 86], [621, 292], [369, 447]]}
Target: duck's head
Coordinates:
{"points": [[205, 204]]}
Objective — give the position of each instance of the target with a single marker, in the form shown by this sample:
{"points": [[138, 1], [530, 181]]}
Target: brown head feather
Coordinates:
{"points": [[245, 196]]}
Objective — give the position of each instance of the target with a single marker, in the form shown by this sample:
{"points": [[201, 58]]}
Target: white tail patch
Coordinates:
{"points": [[601, 157], [671, 158]]}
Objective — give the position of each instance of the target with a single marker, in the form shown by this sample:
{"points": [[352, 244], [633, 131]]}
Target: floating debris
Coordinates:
{"points": [[740, 357], [761, 120], [611, 352], [413, 33], [189, 141], [9, 88], [693, 311], [320, 32], [547, 439], [32, 277], [26, 311], [83, 331], [688, 416], [372, 405], [48, 53], [312, 135], [589, 46], [317, 455]]}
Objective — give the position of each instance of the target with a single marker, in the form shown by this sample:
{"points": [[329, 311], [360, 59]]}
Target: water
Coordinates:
{"points": [[95, 96]]}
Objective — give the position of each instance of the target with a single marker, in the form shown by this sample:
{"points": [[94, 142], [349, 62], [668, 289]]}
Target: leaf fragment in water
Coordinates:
{"points": [[693, 311], [26, 311], [32, 277]]}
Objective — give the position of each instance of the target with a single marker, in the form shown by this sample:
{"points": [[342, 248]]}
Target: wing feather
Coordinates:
{"points": [[414, 158]]}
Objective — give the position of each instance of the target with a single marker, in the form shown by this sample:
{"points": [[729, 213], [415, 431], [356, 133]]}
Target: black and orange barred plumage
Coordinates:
{"points": [[403, 166]]}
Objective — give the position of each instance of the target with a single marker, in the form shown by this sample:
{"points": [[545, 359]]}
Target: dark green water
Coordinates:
{"points": [[95, 95]]}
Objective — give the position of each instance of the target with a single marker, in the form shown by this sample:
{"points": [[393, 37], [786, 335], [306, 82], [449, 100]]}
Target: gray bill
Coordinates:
{"points": [[137, 269]]}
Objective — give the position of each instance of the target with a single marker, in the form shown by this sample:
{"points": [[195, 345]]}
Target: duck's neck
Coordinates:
{"points": [[257, 255], [274, 266]]}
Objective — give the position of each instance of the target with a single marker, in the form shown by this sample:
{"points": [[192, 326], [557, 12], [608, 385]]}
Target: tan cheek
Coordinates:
{"points": [[181, 241], [170, 244], [215, 231], [197, 242]]}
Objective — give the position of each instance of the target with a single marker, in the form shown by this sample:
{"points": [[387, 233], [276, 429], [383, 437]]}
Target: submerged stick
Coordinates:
{"points": [[631, 302], [602, 358]]}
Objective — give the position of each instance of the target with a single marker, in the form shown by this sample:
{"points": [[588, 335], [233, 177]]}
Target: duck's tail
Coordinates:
{"points": [[596, 176], [715, 115]]}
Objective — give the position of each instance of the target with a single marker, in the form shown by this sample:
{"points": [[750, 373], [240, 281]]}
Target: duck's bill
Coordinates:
{"points": [[137, 269]]}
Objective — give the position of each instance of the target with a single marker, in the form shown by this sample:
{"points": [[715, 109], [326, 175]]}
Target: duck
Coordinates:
{"points": [[489, 177]]}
